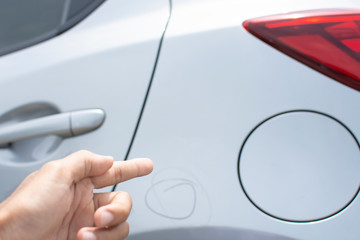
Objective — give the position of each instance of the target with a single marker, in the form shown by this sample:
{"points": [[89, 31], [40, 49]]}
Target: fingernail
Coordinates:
{"points": [[106, 218], [89, 236]]}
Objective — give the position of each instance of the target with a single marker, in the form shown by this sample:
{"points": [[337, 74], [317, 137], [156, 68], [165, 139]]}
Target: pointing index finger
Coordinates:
{"points": [[77, 166], [122, 171]]}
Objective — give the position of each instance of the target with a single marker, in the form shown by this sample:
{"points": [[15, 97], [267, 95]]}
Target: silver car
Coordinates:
{"points": [[247, 108]]}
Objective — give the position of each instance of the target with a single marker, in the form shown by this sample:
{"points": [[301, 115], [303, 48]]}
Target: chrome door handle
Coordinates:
{"points": [[65, 125]]}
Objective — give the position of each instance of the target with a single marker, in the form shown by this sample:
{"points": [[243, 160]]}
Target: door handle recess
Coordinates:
{"points": [[65, 125]]}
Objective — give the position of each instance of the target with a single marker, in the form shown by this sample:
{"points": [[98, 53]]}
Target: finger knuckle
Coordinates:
{"points": [[128, 199], [126, 229], [52, 166], [83, 153], [118, 175], [127, 196], [124, 212]]}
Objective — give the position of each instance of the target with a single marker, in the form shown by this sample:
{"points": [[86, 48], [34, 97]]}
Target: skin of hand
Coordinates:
{"points": [[57, 201]]}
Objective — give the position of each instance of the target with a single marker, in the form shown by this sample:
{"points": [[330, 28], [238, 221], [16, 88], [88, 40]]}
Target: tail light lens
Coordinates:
{"points": [[325, 40]]}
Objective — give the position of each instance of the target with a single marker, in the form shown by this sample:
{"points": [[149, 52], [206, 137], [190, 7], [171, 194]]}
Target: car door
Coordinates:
{"points": [[102, 65]]}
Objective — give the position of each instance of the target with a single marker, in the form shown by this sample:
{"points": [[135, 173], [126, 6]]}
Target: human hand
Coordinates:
{"points": [[57, 201]]}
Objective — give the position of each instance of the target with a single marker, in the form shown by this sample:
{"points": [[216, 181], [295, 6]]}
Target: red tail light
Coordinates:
{"points": [[327, 40]]}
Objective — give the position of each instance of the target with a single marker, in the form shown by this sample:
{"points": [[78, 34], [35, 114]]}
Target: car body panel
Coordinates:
{"points": [[104, 62], [214, 83]]}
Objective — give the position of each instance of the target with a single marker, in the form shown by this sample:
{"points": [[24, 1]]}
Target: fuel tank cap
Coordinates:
{"points": [[300, 166]]}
